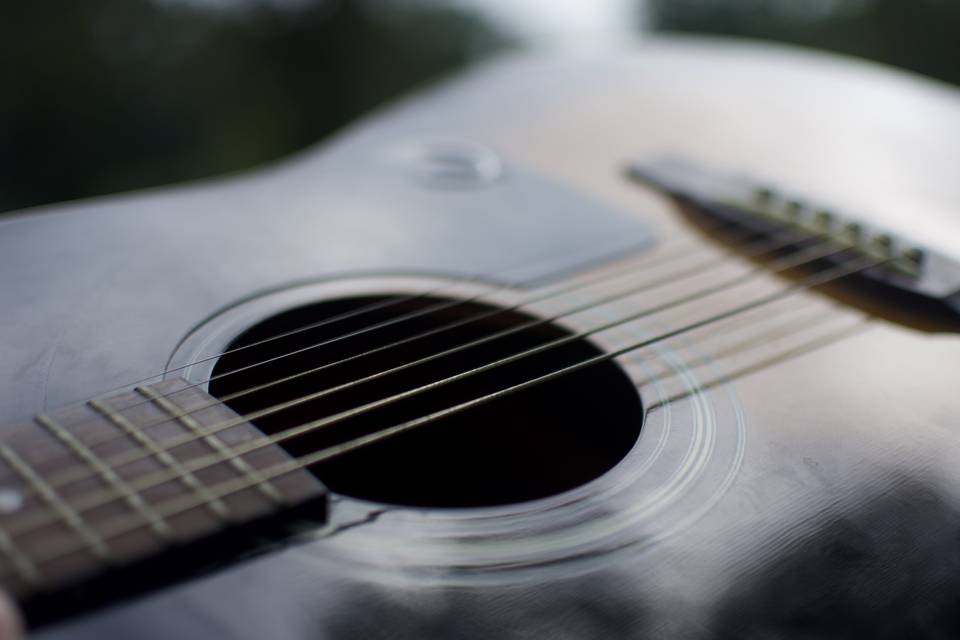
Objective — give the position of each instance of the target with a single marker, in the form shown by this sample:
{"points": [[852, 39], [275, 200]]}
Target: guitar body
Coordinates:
{"points": [[796, 470]]}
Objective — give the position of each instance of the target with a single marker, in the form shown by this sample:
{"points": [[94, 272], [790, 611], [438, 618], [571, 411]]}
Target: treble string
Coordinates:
{"points": [[78, 473], [97, 498], [121, 525]]}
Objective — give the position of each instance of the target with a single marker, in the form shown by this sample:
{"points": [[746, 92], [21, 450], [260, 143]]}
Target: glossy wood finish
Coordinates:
{"points": [[824, 498]]}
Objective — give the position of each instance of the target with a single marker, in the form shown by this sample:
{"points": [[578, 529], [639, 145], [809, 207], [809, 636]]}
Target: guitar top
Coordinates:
{"points": [[654, 344]]}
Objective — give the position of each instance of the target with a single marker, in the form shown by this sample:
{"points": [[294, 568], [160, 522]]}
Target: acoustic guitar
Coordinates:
{"points": [[654, 344]]}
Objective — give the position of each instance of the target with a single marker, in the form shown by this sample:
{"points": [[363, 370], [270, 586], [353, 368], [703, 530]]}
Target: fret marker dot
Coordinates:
{"points": [[10, 500]]}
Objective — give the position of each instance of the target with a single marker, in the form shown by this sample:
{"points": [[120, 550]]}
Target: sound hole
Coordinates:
{"points": [[535, 443]]}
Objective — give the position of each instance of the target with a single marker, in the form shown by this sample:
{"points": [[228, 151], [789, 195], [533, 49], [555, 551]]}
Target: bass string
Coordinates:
{"points": [[76, 473], [121, 525], [104, 497], [96, 498], [619, 272]]}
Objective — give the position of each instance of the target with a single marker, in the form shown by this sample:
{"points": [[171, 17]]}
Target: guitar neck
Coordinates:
{"points": [[164, 474]]}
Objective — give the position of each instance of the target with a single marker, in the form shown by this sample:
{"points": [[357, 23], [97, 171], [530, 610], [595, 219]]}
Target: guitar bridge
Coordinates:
{"points": [[767, 209]]}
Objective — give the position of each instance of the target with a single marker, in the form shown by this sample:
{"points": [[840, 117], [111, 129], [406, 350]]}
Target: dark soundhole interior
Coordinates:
{"points": [[534, 443]]}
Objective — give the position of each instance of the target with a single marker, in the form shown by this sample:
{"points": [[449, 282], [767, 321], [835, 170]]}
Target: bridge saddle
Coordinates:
{"points": [[752, 203]]}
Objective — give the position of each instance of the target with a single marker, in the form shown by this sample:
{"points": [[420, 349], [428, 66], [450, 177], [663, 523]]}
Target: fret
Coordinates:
{"points": [[131, 497], [185, 476], [20, 561], [187, 420], [90, 537]]}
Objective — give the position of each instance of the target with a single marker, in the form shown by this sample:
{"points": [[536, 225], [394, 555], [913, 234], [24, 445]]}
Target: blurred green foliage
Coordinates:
{"points": [[111, 95], [919, 35]]}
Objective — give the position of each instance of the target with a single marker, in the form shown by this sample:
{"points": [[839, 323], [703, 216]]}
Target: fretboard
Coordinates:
{"points": [[136, 484]]}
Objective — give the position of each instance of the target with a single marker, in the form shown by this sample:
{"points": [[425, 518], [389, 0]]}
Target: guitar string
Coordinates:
{"points": [[818, 342], [104, 498], [137, 454], [118, 460], [122, 525], [74, 473], [761, 318], [96, 498], [628, 266]]}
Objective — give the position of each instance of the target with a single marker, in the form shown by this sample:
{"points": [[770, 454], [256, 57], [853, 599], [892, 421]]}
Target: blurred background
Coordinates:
{"points": [[101, 96]]}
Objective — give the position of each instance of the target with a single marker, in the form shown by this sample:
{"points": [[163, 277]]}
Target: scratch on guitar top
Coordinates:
{"points": [[45, 380], [334, 529]]}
